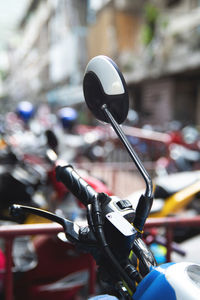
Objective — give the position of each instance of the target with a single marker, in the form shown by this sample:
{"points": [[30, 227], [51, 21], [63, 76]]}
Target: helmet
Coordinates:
{"points": [[67, 116], [25, 110]]}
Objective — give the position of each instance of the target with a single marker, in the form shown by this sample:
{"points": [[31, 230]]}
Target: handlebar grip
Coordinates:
{"points": [[142, 211], [77, 185]]}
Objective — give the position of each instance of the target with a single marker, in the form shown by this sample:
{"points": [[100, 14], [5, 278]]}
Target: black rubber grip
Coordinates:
{"points": [[142, 211], [77, 185]]}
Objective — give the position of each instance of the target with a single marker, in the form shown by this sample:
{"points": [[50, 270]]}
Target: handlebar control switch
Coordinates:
{"points": [[121, 224], [124, 204], [120, 234]]}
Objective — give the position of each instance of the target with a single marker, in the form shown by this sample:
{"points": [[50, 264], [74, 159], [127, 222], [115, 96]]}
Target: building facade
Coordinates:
{"points": [[155, 43]]}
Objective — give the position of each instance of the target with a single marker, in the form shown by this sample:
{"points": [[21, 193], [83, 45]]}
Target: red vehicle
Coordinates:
{"points": [[71, 273]]}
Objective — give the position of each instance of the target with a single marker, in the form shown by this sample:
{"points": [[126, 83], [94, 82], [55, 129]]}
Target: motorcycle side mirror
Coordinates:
{"points": [[52, 140], [106, 95], [104, 85]]}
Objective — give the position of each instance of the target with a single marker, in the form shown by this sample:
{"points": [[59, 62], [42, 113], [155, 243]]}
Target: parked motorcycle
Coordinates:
{"points": [[19, 182], [31, 257], [174, 193], [179, 159], [74, 271], [24, 177], [114, 229]]}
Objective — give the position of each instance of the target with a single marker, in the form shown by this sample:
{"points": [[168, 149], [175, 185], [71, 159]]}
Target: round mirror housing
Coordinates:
{"points": [[104, 84]]}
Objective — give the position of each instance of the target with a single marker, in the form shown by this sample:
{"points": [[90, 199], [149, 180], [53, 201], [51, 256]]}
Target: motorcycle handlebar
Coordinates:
{"points": [[77, 185]]}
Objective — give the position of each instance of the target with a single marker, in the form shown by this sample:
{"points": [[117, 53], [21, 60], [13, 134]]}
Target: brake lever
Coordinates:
{"points": [[71, 229]]}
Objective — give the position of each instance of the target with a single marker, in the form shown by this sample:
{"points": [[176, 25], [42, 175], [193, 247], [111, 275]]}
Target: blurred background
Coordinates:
{"points": [[45, 46]]}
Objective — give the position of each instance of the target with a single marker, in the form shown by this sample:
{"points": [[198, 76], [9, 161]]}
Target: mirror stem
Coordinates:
{"points": [[132, 153]]}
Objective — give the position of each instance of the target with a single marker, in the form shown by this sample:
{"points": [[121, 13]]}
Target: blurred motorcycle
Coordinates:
{"points": [[31, 257], [179, 159]]}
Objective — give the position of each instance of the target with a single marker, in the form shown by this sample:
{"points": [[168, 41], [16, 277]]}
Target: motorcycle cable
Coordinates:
{"points": [[98, 226]]}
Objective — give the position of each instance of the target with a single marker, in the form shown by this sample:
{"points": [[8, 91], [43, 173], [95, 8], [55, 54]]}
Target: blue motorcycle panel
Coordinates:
{"points": [[155, 286]]}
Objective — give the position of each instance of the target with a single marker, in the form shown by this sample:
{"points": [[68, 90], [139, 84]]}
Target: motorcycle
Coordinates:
{"points": [[175, 194], [114, 231], [179, 159], [32, 257], [74, 271], [26, 172], [20, 180]]}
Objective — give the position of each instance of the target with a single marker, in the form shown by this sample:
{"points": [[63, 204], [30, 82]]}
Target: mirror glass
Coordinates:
{"points": [[104, 84]]}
